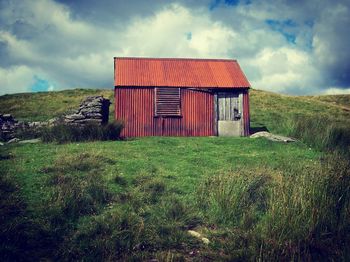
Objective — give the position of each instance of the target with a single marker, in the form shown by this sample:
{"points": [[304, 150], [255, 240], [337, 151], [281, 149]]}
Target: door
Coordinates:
{"points": [[229, 110]]}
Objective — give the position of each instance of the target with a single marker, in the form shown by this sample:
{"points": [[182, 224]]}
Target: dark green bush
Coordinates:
{"points": [[63, 133], [28, 133]]}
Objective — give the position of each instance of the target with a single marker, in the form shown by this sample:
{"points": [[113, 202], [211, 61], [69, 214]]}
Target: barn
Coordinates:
{"points": [[181, 97]]}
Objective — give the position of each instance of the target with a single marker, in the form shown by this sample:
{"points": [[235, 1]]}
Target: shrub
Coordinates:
{"points": [[63, 133], [28, 133]]}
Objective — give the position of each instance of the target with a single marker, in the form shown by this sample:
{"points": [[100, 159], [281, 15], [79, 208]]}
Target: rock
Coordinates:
{"points": [[7, 126], [7, 117], [94, 115], [273, 137], [13, 140], [94, 109], [88, 121], [199, 236], [30, 141], [75, 117], [53, 121], [90, 110]]}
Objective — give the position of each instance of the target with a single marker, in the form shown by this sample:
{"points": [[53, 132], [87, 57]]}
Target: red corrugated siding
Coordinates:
{"points": [[246, 117], [135, 106], [172, 72]]}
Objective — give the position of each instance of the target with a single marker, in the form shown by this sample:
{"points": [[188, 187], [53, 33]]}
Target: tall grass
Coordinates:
{"points": [[63, 133], [296, 213], [322, 133], [22, 237], [300, 214], [236, 195]]}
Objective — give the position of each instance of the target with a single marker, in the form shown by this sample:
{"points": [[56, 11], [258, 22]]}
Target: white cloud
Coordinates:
{"points": [[15, 79], [337, 91], [71, 52], [283, 70], [166, 34]]}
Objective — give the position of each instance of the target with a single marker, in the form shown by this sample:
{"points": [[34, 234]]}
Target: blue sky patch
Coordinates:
{"points": [[284, 27], [215, 3], [40, 85]]}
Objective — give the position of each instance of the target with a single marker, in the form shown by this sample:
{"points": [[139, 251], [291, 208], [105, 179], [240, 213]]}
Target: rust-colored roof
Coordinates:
{"points": [[178, 72]]}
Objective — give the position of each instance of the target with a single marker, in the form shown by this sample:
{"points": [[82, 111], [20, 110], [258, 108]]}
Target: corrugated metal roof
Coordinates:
{"points": [[178, 72]]}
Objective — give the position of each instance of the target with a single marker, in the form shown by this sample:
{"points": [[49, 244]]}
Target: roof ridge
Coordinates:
{"points": [[176, 58]]}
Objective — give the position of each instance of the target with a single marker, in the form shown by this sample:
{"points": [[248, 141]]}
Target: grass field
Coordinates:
{"points": [[136, 199], [43, 106], [266, 108]]}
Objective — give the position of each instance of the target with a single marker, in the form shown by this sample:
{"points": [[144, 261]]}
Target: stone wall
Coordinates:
{"points": [[94, 109], [8, 126]]}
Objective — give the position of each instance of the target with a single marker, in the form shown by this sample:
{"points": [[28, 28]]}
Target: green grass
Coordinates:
{"points": [[339, 100], [43, 106], [274, 111], [265, 106], [135, 199]]}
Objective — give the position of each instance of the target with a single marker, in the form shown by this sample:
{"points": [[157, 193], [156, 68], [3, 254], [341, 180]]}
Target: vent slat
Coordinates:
{"points": [[168, 102]]}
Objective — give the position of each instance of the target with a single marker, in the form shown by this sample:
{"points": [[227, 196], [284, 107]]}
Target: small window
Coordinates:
{"points": [[167, 102]]}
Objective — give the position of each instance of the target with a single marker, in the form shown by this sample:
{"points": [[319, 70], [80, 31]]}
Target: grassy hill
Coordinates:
{"points": [[136, 199], [267, 109], [43, 106]]}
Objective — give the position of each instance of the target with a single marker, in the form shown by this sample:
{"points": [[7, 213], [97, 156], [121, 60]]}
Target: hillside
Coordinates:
{"points": [[42, 106], [271, 109], [137, 199], [267, 109]]}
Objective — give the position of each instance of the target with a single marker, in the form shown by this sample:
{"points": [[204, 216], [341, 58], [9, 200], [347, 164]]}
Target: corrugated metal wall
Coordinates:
{"points": [[136, 107], [246, 117]]}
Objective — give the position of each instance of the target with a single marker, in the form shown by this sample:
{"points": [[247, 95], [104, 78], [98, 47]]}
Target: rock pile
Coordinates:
{"points": [[8, 126], [94, 109]]}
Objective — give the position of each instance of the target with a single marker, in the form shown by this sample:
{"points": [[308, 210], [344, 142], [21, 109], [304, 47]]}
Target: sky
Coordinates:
{"points": [[286, 46]]}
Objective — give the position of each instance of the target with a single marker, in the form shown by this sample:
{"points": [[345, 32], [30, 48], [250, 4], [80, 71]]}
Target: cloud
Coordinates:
{"points": [[331, 44], [336, 91], [15, 79], [285, 46], [285, 70], [166, 35]]}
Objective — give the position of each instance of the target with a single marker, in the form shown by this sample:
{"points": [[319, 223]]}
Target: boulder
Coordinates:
{"points": [[273, 137], [8, 126], [30, 141], [13, 140], [94, 109]]}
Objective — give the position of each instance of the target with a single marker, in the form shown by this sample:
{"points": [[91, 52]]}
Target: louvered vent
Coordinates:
{"points": [[168, 102]]}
